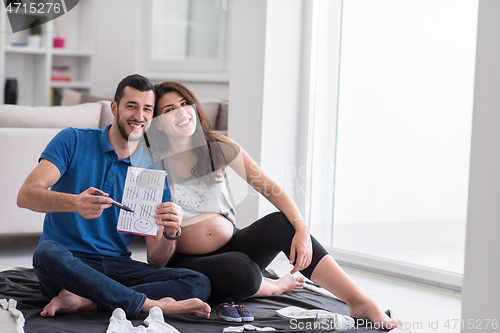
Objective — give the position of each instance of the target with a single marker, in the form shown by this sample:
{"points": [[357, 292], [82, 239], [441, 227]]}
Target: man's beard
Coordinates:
{"points": [[121, 127]]}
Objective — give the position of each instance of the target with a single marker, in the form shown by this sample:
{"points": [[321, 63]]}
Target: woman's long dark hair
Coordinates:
{"points": [[210, 157]]}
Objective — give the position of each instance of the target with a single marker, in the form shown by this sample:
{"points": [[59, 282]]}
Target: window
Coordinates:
{"points": [[391, 94], [186, 35]]}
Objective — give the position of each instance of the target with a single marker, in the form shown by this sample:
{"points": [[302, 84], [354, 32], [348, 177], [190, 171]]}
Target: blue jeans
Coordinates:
{"points": [[113, 282]]}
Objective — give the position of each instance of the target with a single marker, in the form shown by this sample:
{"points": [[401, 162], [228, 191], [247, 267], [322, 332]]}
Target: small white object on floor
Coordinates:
{"points": [[294, 312], [401, 328], [322, 318], [156, 322], [246, 327], [11, 307], [118, 323]]}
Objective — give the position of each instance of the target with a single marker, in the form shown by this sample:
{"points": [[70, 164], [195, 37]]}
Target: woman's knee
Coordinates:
{"points": [[247, 276], [243, 267], [232, 274], [280, 231], [278, 223], [278, 217]]}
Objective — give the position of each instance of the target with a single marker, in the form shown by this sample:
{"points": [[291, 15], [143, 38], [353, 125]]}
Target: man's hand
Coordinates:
{"points": [[169, 215], [90, 206]]}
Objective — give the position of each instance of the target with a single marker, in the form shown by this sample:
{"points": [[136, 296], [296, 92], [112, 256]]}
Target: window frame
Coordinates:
{"points": [[213, 70]]}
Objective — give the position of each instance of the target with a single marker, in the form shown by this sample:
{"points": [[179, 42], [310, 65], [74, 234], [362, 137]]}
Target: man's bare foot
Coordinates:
{"points": [[367, 309], [193, 306], [67, 302]]}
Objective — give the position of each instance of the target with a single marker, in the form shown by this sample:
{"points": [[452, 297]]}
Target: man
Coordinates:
{"points": [[82, 262]]}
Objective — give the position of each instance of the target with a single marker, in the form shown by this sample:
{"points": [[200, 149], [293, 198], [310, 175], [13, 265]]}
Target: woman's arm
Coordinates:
{"points": [[249, 170], [159, 249]]}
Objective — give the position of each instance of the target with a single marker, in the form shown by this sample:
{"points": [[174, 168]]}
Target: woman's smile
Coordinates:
{"points": [[184, 122]]}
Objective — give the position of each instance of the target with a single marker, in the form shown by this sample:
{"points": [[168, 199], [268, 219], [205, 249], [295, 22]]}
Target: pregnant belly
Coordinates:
{"points": [[205, 236]]}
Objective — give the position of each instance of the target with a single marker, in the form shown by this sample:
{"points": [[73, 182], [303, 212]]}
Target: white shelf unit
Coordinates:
{"points": [[32, 67]]}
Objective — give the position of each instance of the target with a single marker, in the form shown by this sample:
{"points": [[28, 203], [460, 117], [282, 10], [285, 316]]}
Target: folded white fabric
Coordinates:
{"points": [[118, 323], [11, 307], [322, 318], [246, 327], [156, 322]]}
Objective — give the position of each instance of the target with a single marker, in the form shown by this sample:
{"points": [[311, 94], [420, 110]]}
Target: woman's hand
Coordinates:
{"points": [[301, 249], [169, 215], [159, 249]]}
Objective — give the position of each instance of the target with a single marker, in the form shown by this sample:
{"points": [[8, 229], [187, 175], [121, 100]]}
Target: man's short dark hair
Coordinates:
{"points": [[135, 81]]}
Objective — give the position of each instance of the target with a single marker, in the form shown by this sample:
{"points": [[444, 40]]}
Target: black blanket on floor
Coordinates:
{"points": [[22, 285]]}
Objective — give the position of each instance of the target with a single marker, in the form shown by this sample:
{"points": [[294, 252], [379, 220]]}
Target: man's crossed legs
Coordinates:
{"points": [[86, 283]]}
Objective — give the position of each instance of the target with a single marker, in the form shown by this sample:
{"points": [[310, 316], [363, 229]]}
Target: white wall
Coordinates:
{"points": [[208, 90], [116, 44], [481, 290], [246, 91], [282, 96], [264, 91]]}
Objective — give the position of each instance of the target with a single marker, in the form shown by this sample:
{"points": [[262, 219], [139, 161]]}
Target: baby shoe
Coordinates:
{"points": [[245, 315], [228, 312]]}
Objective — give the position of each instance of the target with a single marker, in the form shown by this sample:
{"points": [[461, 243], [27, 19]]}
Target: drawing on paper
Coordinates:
{"points": [[142, 193], [143, 225]]}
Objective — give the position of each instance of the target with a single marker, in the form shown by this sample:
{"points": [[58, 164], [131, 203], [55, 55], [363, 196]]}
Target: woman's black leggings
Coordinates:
{"points": [[235, 270]]}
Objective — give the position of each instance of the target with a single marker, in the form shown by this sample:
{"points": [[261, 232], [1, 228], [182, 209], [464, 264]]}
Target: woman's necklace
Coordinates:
{"points": [[183, 161], [183, 157]]}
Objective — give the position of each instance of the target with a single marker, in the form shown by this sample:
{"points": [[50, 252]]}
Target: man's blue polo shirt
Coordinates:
{"points": [[86, 159]]}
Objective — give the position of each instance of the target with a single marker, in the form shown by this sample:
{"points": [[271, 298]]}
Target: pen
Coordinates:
{"points": [[114, 203]]}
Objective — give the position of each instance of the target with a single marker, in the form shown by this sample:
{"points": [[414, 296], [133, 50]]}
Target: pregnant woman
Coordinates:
{"points": [[208, 241]]}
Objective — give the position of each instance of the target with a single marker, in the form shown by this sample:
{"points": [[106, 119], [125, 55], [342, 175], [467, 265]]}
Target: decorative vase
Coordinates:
{"points": [[34, 41], [10, 93], [58, 43]]}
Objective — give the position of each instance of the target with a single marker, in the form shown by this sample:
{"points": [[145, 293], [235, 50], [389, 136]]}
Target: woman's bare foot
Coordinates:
{"points": [[67, 302], [367, 309], [290, 283], [193, 306], [286, 284]]}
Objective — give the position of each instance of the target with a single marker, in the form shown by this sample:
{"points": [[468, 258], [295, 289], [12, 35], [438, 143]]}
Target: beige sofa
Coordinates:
{"points": [[24, 133]]}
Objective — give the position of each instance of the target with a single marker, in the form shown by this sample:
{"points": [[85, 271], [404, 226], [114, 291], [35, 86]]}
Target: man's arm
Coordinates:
{"points": [[35, 194], [159, 249]]}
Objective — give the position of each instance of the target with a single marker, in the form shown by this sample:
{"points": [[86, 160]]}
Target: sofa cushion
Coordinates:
{"points": [[106, 115], [70, 97], [217, 112], [21, 148], [84, 115], [211, 110], [74, 97], [88, 98], [221, 124]]}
